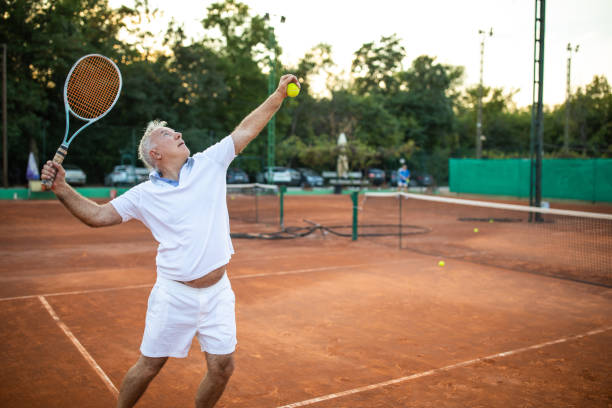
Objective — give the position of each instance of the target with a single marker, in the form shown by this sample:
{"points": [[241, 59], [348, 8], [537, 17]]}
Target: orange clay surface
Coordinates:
{"points": [[320, 317]]}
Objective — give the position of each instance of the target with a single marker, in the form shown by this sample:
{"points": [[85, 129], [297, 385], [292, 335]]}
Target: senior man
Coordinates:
{"points": [[184, 205]]}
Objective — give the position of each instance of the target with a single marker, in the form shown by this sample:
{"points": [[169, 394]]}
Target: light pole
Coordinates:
{"points": [[537, 108], [271, 87], [568, 94], [480, 91]]}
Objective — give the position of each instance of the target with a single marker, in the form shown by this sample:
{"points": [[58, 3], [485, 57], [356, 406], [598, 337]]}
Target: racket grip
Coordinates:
{"points": [[59, 157]]}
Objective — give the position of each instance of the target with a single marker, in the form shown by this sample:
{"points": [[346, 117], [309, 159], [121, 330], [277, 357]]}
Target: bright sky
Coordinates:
{"points": [[445, 29]]}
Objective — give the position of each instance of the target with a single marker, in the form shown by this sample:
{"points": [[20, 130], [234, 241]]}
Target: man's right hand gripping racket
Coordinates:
{"points": [[91, 90]]}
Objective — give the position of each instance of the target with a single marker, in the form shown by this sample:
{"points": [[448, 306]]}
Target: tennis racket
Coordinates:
{"points": [[91, 90]]}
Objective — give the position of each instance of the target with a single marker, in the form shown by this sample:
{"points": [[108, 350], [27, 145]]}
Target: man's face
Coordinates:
{"points": [[169, 144]]}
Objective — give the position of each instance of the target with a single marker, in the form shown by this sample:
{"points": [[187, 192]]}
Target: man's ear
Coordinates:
{"points": [[154, 154]]}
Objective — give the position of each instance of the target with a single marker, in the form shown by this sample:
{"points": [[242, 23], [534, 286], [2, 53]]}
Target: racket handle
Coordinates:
{"points": [[59, 157]]}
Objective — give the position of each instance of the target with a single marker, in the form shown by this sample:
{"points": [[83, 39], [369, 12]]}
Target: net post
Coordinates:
{"points": [[283, 189], [256, 204], [400, 220], [355, 198]]}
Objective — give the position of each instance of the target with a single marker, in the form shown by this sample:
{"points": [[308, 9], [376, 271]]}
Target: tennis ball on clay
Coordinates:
{"points": [[441, 263], [491, 220], [292, 90], [475, 229]]}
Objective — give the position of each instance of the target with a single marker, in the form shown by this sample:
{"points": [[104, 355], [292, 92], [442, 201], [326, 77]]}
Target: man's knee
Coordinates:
{"points": [[150, 366], [220, 368]]}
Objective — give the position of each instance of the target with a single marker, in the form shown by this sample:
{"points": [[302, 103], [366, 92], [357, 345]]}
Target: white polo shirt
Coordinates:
{"points": [[190, 220]]}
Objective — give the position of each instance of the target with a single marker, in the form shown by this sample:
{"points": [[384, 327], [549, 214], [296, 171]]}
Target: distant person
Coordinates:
{"points": [[184, 205], [403, 178]]}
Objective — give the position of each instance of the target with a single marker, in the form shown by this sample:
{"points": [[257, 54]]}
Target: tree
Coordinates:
{"points": [[314, 63], [426, 105], [241, 51], [205, 86], [593, 118], [376, 66], [44, 39], [505, 127]]}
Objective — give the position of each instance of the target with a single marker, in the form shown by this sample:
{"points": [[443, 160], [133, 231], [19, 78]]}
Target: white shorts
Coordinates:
{"points": [[177, 312]]}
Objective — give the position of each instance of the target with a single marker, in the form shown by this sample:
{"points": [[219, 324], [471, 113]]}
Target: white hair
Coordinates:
{"points": [[145, 142]]}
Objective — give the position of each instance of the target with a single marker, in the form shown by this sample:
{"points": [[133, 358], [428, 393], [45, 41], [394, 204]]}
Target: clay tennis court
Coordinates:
{"points": [[322, 321]]}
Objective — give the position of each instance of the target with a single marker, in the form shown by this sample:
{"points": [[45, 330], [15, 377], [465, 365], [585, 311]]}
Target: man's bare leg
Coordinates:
{"points": [[138, 378], [220, 369]]}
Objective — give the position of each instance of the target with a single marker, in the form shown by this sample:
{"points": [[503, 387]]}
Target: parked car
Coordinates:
{"points": [[376, 176], [421, 180], [296, 177], [122, 175], [236, 176], [280, 175], [74, 175], [310, 178]]}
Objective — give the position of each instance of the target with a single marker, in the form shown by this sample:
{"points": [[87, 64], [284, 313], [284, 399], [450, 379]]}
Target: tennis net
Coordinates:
{"points": [[254, 203], [567, 244]]}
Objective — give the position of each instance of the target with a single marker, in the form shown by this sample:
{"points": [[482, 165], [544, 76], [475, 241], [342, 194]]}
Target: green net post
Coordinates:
{"points": [[355, 198], [400, 220], [283, 189]]}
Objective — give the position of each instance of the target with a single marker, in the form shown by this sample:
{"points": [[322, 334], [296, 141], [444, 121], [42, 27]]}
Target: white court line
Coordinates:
{"points": [[148, 285], [441, 369], [79, 292], [235, 261], [323, 268], [109, 384]]}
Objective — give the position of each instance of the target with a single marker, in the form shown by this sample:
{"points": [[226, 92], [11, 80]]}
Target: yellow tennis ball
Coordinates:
{"points": [[475, 229], [441, 263], [292, 90]]}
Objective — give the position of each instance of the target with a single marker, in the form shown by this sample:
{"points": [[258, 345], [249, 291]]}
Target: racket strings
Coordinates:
{"points": [[93, 87], [96, 83], [92, 99]]}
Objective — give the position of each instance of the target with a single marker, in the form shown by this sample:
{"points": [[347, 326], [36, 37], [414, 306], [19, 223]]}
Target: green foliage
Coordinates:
{"points": [[505, 128], [376, 66], [591, 111], [389, 110]]}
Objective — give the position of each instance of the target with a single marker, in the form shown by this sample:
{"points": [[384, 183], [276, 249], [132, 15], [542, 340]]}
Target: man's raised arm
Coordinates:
{"points": [[250, 126], [86, 210]]}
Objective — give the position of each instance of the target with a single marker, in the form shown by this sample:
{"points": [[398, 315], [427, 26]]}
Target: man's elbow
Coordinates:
{"points": [[93, 223], [96, 224], [102, 219]]}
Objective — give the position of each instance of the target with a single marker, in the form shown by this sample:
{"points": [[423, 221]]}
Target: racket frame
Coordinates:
{"points": [[62, 151]]}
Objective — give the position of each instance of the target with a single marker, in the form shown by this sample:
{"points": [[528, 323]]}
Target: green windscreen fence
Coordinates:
{"points": [[576, 179]]}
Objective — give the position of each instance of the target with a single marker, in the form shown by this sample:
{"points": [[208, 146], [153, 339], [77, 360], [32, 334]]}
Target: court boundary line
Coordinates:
{"points": [[77, 292], [86, 271], [239, 277], [443, 369], [96, 367], [307, 270]]}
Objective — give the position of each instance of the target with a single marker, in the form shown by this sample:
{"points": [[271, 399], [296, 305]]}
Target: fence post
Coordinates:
{"points": [[355, 198], [283, 189]]}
